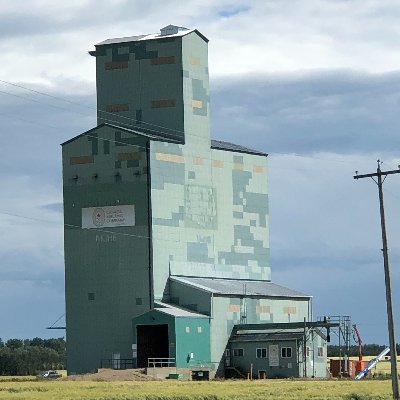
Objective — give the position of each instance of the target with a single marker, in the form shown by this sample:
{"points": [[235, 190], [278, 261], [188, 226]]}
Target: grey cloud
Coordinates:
{"points": [[324, 226], [58, 207], [26, 309], [359, 293], [340, 112]]}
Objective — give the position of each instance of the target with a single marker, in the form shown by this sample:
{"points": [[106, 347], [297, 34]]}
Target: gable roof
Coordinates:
{"points": [[227, 146], [272, 334], [141, 132], [181, 32], [176, 311], [215, 144], [239, 287]]}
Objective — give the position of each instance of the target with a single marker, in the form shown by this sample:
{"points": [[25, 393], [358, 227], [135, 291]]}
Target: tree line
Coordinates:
{"points": [[30, 356], [367, 350]]}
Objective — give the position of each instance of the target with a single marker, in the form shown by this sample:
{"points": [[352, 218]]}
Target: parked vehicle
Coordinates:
{"points": [[49, 375]]}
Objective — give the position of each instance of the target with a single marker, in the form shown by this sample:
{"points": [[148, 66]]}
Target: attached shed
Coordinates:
{"points": [[282, 351], [171, 336], [231, 302]]}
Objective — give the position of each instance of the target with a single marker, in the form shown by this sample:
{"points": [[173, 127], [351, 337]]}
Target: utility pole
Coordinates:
{"points": [[392, 339]]}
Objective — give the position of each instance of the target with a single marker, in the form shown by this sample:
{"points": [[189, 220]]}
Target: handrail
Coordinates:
{"points": [[161, 362]]}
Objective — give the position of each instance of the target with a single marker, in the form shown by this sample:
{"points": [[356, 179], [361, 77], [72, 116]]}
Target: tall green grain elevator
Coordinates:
{"points": [[166, 230]]}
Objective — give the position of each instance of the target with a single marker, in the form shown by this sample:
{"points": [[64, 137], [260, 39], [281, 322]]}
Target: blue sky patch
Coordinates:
{"points": [[231, 11]]}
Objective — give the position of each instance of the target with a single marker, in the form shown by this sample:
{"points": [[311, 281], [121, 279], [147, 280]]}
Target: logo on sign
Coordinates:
{"points": [[99, 217]]}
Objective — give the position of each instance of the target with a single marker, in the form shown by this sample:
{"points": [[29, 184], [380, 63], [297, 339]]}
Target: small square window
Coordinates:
{"points": [[261, 353], [320, 352], [286, 352], [199, 329], [90, 296], [238, 352], [139, 301], [187, 329]]}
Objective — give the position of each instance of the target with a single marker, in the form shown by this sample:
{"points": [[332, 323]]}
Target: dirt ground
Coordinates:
{"points": [[109, 375]]}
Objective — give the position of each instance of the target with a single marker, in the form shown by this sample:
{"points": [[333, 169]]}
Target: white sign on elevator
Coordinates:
{"points": [[108, 217]]}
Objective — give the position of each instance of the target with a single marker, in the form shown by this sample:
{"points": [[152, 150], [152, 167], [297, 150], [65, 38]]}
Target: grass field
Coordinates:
{"points": [[214, 390]]}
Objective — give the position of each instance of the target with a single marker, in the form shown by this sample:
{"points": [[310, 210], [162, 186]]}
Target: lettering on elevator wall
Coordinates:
{"points": [[106, 238]]}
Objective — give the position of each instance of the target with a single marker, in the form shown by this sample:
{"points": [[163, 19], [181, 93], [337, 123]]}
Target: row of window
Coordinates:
{"points": [[199, 329], [286, 352]]}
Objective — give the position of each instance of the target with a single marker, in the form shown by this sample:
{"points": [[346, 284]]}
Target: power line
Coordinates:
{"points": [[130, 126], [41, 102], [86, 106], [392, 339]]}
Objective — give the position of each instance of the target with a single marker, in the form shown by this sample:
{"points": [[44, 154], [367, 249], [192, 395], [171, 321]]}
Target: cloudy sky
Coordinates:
{"points": [[314, 83]]}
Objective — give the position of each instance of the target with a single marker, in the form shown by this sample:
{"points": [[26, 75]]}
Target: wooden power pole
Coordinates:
{"points": [[392, 339]]}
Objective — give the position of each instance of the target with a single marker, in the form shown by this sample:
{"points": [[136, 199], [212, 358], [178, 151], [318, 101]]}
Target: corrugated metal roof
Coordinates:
{"points": [[139, 132], [220, 145], [215, 144], [272, 334], [181, 32], [269, 331], [177, 311], [122, 40], [263, 337], [239, 287]]}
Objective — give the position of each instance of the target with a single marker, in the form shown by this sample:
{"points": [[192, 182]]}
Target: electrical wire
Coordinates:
{"points": [[134, 120], [118, 122]]}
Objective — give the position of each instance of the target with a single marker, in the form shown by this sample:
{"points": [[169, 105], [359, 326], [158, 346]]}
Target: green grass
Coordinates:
{"points": [[215, 390]]}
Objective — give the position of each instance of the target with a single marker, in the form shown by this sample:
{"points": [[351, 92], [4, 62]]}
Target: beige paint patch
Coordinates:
{"points": [[198, 161], [238, 166], [115, 65], [81, 160], [258, 168], [233, 307], [163, 103], [195, 60], [170, 158], [289, 310], [197, 104], [117, 107], [218, 164], [163, 60], [263, 309]]}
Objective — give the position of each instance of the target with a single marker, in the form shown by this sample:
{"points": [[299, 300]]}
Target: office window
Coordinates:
{"points": [[286, 352], [261, 353], [320, 352], [237, 352]]}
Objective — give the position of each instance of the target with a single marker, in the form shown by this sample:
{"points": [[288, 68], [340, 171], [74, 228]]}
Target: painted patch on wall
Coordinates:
{"points": [[108, 217], [200, 207]]}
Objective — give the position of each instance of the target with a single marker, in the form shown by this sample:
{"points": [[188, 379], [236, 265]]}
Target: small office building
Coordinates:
{"points": [[277, 351]]}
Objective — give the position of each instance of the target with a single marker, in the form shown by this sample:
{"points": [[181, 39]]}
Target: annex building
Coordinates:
{"points": [[166, 230]]}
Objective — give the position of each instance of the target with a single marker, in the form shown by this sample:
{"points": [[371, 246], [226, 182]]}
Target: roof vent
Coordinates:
{"points": [[172, 30]]}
